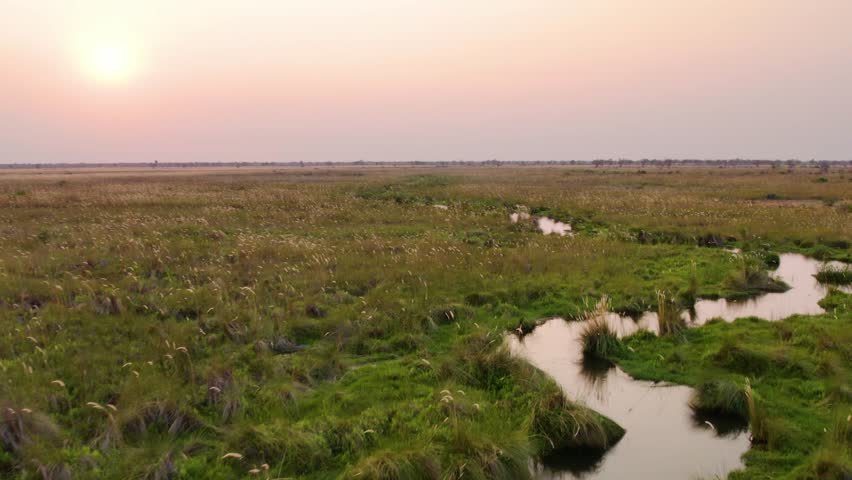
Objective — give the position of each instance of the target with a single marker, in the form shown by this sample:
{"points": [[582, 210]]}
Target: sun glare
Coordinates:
{"points": [[110, 63]]}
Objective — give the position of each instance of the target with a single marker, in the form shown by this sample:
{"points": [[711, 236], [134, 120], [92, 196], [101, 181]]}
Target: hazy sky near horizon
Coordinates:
{"points": [[388, 80]]}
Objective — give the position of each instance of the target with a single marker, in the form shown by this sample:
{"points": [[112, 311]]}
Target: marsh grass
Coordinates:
{"points": [[415, 464], [760, 426], [721, 397], [752, 277], [482, 360], [670, 319], [689, 295], [833, 461], [144, 290], [21, 428], [288, 446], [829, 463], [836, 301], [598, 339], [835, 274], [471, 454], [793, 391], [557, 423]]}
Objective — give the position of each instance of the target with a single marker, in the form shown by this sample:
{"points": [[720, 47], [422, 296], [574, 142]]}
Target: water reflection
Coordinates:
{"points": [[548, 226], [579, 462], [595, 372], [722, 425], [665, 438], [545, 224], [797, 271]]}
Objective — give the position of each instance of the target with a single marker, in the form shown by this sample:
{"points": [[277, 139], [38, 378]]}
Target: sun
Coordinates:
{"points": [[110, 63]]}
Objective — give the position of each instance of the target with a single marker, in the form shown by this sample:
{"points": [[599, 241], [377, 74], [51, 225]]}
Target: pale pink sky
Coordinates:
{"points": [[342, 80]]}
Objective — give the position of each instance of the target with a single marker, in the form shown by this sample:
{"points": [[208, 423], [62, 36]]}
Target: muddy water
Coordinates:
{"points": [[664, 439]]}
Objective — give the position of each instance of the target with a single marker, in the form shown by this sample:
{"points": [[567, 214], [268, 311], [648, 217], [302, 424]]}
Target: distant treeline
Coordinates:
{"points": [[609, 163]]}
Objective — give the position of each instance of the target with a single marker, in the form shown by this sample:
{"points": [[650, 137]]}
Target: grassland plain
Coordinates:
{"points": [[348, 321]]}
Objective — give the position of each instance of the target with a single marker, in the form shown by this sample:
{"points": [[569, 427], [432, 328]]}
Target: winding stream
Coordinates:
{"points": [[665, 439]]}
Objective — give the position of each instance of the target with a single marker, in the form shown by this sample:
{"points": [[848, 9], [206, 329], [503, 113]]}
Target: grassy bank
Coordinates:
{"points": [[790, 380]]}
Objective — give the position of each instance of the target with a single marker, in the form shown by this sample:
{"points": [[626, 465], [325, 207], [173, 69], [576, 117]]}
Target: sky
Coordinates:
{"points": [[433, 80]]}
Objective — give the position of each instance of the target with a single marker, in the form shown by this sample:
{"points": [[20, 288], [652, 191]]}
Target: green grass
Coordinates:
{"points": [[332, 323], [752, 277], [835, 275], [597, 338], [789, 379], [557, 424], [724, 397], [669, 315]]}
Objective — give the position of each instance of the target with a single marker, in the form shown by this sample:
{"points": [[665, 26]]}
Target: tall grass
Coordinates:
{"points": [[758, 422], [414, 464], [326, 307], [598, 339], [835, 274], [689, 295], [833, 460], [668, 314], [752, 277], [558, 423], [723, 397]]}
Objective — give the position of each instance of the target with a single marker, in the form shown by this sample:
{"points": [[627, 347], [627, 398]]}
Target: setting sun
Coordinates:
{"points": [[110, 63]]}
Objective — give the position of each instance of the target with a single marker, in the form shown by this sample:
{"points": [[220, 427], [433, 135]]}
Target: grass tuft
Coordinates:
{"points": [[290, 447], [482, 360], [721, 397], [558, 423], [599, 340], [668, 314], [835, 274], [414, 464], [751, 278]]}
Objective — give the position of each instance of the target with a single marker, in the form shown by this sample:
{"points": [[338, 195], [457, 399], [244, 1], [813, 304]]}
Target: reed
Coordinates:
{"points": [[758, 421], [835, 274], [670, 319]]}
